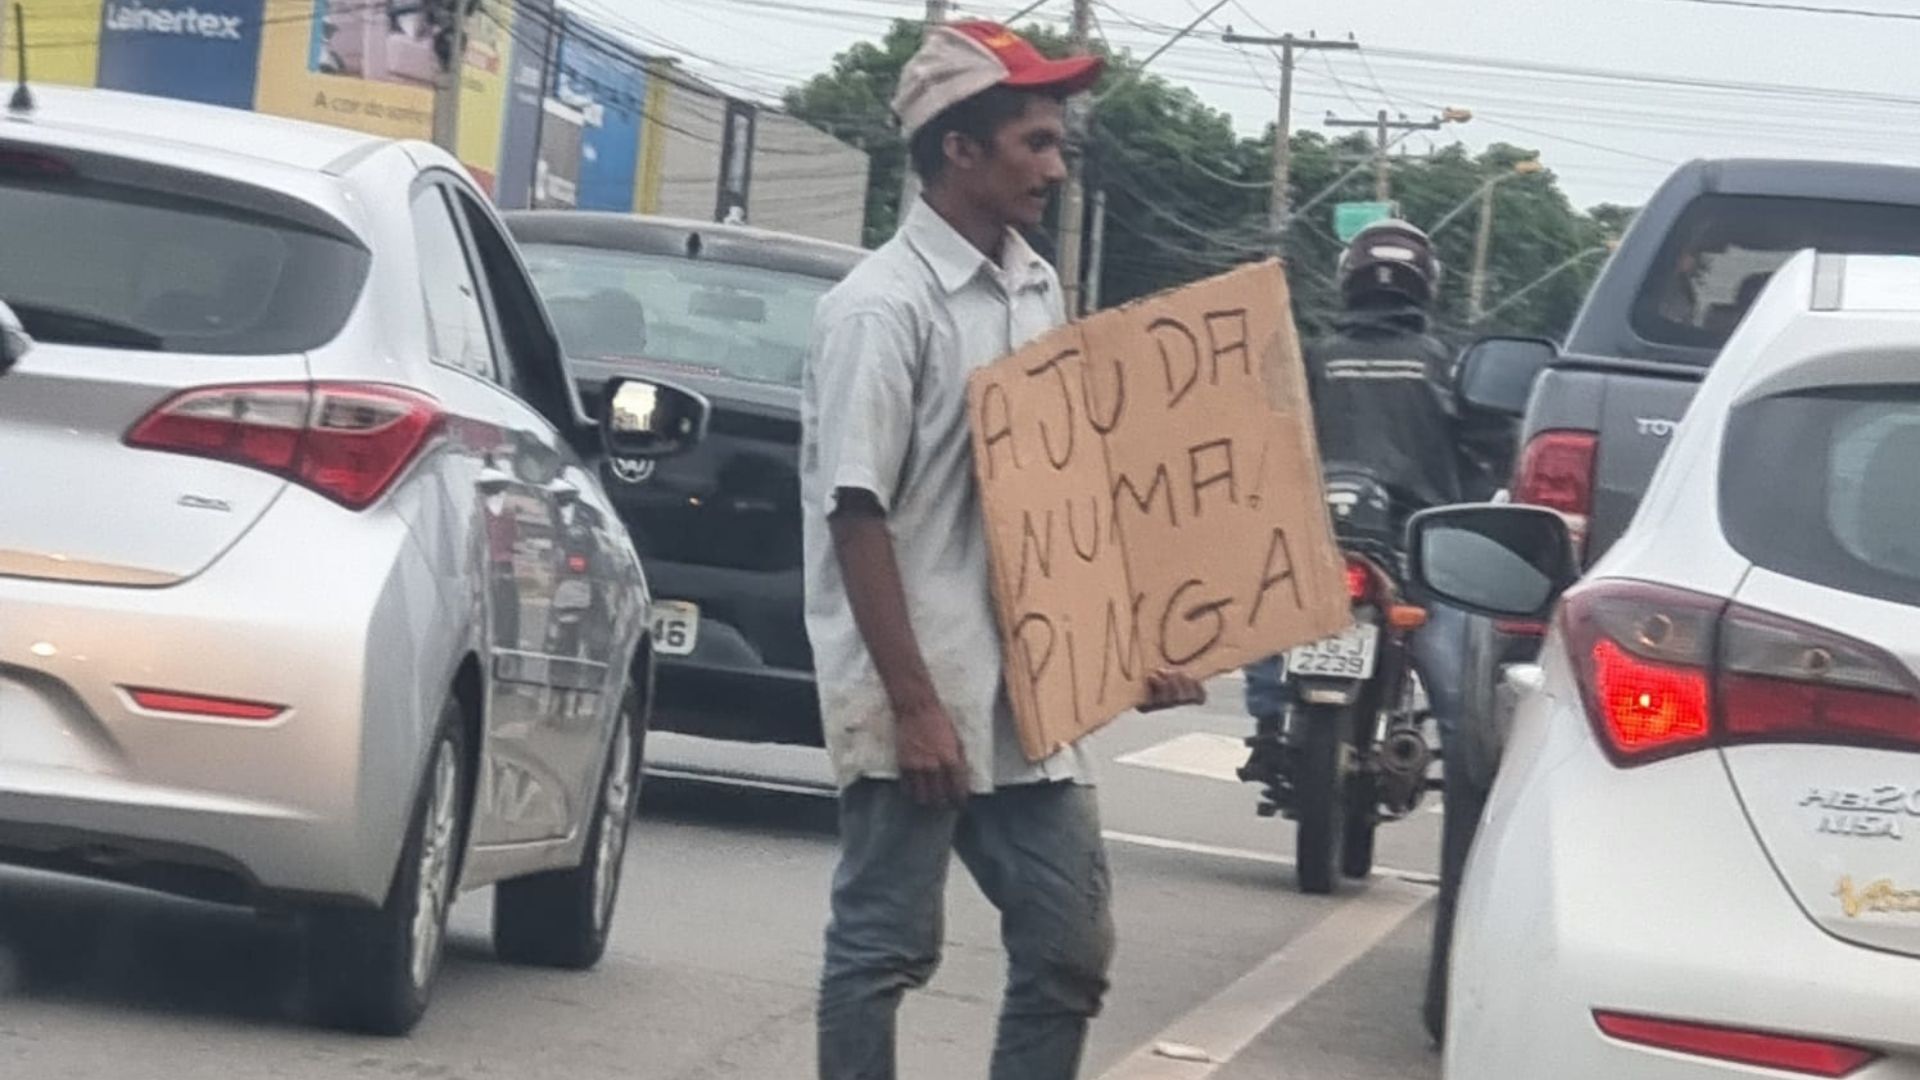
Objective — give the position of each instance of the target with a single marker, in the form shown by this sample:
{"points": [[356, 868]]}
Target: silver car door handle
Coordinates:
{"points": [[562, 491], [492, 481]]}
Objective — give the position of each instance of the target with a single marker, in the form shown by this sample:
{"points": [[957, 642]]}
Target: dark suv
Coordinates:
{"points": [[726, 311], [1598, 413]]}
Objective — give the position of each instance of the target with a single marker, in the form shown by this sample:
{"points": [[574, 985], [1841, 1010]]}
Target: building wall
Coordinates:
{"points": [[583, 121], [806, 181], [692, 124]]}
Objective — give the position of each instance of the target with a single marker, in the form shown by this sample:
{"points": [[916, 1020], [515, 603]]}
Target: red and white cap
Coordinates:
{"points": [[959, 60]]}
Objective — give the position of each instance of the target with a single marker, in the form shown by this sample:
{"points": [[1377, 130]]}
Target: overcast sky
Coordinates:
{"points": [[1609, 138]]}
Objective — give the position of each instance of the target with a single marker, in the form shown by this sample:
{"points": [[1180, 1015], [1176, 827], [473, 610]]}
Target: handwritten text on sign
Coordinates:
{"points": [[1152, 498]]}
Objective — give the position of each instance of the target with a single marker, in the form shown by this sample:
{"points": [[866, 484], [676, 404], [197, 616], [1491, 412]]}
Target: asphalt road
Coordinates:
{"points": [[1224, 969]]}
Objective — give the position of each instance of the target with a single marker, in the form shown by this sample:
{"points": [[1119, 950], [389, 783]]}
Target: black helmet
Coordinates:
{"points": [[1390, 258]]}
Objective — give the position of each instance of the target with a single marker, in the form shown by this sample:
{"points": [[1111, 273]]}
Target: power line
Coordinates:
{"points": [[1258, 72], [1538, 133], [1615, 75], [1804, 9]]}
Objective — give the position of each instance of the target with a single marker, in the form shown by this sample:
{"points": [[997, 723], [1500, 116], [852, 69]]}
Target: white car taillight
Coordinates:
{"points": [[1665, 671]]}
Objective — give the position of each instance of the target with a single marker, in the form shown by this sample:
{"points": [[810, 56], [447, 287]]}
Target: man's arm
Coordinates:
{"points": [[932, 765], [862, 365]]}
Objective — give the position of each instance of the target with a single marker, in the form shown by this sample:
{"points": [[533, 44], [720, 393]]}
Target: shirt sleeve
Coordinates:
{"points": [[863, 376]]}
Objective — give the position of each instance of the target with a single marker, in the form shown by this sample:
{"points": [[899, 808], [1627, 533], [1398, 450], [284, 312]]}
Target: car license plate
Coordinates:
{"points": [[1347, 655], [676, 627]]}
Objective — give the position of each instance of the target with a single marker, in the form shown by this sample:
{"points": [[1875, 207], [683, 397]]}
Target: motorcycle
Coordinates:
{"points": [[1349, 751]]}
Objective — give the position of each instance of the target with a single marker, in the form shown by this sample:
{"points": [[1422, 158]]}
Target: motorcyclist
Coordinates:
{"points": [[1382, 392]]}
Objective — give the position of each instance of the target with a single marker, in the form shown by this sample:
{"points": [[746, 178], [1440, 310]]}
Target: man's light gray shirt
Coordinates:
{"points": [[884, 409]]}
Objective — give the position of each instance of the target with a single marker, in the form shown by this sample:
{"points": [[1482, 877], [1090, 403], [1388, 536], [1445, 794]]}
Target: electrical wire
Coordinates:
{"points": [[1805, 9]]}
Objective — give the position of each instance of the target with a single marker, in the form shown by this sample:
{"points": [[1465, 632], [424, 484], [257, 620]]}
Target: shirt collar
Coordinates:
{"points": [[956, 262]]}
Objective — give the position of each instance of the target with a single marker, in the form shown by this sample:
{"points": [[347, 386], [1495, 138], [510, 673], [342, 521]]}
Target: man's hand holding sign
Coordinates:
{"points": [[1152, 500]]}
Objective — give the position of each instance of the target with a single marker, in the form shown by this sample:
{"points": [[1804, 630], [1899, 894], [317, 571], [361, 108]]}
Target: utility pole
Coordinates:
{"points": [[1483, 243], [1278, 206], [446, 90], [1477, 289], [1097, 249], [1382, 125], [1073, 196], [910, 180]]}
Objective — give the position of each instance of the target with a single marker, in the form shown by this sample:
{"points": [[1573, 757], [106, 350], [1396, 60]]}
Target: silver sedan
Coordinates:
{"points": [[308, 599]]}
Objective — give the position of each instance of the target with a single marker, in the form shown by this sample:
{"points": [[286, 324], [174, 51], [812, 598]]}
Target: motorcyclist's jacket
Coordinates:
{"points": [[1383, 402]]}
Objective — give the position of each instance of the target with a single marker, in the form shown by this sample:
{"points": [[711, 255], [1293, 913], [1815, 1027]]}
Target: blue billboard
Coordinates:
{"points": [[202, 50], [526, 96], [607, 86]]}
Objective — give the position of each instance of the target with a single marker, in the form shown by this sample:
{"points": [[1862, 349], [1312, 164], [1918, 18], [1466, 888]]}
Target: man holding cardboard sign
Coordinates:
{"points": [[899, 601]]}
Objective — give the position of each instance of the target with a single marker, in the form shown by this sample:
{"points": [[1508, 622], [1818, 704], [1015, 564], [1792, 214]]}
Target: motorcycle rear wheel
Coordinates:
{"points": [[1320, 797], [1356, 846]]}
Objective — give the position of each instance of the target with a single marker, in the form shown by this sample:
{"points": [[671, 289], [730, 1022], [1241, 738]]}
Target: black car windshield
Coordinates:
{"points": [[742, 321], [123, 268], [1720, 255]]}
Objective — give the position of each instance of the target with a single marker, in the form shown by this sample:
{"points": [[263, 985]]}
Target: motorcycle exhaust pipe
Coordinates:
{"points": [[1403, 758], [1404, 752]]}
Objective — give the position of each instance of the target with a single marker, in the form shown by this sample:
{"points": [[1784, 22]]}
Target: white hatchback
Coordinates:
{"points": [[1701, 857]]}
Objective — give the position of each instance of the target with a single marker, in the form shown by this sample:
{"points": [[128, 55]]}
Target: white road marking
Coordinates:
{"points": [[1416, 877], [1213, 756], [1198, 753], [1216, 1031]]}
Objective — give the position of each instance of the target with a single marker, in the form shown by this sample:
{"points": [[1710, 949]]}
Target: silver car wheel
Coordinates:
{"points": [[615, 810], [435, 889]]}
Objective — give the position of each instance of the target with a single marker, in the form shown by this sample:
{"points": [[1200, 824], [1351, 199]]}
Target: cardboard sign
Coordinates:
{"points": [[1152, 497]]}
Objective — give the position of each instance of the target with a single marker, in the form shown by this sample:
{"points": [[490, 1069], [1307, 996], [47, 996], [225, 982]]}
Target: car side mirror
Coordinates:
{"points": [[14, 341], [1501, 560], [1496, 374], [642, 419]]}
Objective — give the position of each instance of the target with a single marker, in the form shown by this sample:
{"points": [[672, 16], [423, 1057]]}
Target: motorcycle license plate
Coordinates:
{"points": [[1347, 655]]}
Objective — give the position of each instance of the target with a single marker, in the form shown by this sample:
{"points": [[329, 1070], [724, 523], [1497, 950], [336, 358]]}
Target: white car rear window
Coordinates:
{"points": [[1825, 486]]}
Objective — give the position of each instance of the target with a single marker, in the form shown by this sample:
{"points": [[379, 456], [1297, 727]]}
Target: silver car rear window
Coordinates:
{"points": [[116, 266]]}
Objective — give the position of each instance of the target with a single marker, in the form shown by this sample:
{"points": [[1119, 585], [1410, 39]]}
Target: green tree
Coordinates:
{"points": [[1187, 197], [850, 101]]}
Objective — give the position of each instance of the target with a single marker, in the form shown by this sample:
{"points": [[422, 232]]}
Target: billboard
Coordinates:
{"points": [[605, 85], [553, 112], [526, 90], [556, 182], [736, 164], [355, 63], [68, 33], [370, 65], [208, 50]]}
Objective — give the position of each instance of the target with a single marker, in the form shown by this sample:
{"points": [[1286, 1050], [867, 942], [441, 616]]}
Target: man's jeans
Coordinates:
{"points": [[1036, 853]]}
